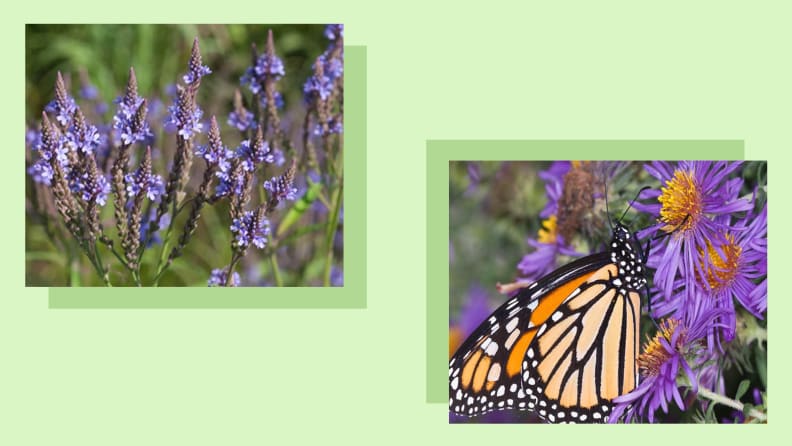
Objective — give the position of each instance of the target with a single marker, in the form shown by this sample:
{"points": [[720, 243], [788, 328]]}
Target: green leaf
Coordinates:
{"points": [[744, 385], [761, 365]]}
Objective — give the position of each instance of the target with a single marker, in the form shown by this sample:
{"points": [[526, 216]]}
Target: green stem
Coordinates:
{"points": [[276, 270], [331, 229], [720, 399]]}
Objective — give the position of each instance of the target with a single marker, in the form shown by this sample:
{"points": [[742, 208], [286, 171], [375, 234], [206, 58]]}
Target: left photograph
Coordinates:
{"points": [[184, 155]]}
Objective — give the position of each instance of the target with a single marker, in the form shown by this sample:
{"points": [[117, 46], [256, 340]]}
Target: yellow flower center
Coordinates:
{"points": [[547, 233], [681, 202], [722, 268], [654, 354]]}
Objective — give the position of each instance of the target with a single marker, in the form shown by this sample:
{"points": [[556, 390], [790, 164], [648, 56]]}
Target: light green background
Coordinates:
{"points": [[521, 70]]}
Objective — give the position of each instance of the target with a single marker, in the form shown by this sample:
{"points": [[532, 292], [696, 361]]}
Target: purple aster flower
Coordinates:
{"points": [[254, 153], [334, 31], [184, 116], [196, 68], [663, 365], [734, 267], [219, 276], [143, 180], [695, 198], [554, 186], [549, 245], [475, 309], [250, 228]]}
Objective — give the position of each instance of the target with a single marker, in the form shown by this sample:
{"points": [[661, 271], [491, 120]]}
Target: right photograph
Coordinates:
{"points": [[608, 291]]}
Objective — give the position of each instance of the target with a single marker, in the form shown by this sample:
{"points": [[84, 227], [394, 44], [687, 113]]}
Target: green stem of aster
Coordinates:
{"points": [[726, 401]]}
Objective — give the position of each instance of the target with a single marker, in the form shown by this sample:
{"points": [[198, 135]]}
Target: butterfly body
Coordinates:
{"points": [[563, 347]]}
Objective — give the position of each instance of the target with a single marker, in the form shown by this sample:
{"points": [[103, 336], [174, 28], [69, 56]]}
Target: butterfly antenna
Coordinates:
{"points": [[633, 201]]}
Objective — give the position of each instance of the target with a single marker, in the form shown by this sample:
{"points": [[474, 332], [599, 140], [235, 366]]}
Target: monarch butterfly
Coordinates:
{"points": [[564, 347]]}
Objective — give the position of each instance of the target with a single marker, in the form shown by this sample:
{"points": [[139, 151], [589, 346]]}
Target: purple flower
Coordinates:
{"points": [[219, 276], [250, 228], [196, 69], [85, 139], [63, 105], [554, 185], [232, 181], [734, 268], [242, 121], [334, 31], [130, 118], [334, 125], [89, 92], [277, 98], [548, 244], [143, 180], [318, 85], [336, 276], [696, 197], [254, 153], [663, 364], [215, 153], [91, 188], [41, 171], [184, 116], [280, 188], [267, 67]]}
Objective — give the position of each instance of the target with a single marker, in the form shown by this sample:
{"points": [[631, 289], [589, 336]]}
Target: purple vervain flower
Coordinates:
{"points": [[250, 228], [334, 31], [130, 118], [242, 120], [318, 85], [266, 67], [41, 171], [143, 180], [92, 188], [334, 126], [219, 276], [255, 152], [184, 116], [281, 188], [63, 105], [196, 69], [215, 153]]}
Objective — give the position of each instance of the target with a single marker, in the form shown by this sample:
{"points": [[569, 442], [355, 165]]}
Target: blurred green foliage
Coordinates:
{"points": [[159, 54]]}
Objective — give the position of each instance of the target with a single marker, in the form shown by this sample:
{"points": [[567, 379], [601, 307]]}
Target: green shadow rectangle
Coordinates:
{"points": [[441, 152], [351, 295]]}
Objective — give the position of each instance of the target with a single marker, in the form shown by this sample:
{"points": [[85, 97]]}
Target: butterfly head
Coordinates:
{"points": [[626, 253]]}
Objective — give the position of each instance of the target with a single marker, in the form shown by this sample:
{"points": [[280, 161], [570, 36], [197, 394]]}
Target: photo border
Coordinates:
{"points": [[440, 152]]}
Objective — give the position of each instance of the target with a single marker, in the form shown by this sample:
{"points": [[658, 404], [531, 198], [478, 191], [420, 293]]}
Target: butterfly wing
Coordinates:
{"points": [[585, 354], [488, 371]]}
